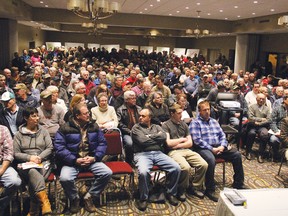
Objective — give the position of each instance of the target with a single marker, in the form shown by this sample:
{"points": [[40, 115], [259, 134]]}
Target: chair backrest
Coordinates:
{"points": [[226, 96], [114, 142]]}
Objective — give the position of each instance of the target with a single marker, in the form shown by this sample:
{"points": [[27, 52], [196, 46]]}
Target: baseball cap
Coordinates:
{"points": [[20, 86], [235, 87], [205, 75], [151, 71], [45, 94], [6, 96], [46, 76], [66, 74], [22, 73], [56, 79]]}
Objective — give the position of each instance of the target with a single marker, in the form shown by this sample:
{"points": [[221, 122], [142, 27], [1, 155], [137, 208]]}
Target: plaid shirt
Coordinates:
{"points": [[207, 134], [276, 117], [6, 145]]}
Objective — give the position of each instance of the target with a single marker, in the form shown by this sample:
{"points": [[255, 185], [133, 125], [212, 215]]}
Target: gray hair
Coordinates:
{"points": [[128, 94]]}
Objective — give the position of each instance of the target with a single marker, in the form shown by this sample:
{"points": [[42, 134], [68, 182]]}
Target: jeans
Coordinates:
{"points": [[11, 182], [275, 143], [68, 175], [144, 162], [128, 148], [232, 156]]}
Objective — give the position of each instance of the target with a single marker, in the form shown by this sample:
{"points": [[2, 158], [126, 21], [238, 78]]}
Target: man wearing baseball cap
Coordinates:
{"points": [[23, 99], [12, 115]]}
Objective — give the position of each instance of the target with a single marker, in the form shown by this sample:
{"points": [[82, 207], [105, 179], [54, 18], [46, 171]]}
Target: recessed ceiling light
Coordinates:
{"points": [[272, 10], [140, 12], [145, 9], [158, 0], [177, 11], [186, 8], [253, 13], [238, 16], [226, 18], [198, 3], [235, 6], [41, 2], [170, 14], [255, 2], [221, 11], [46, 5], [208, 14], [151, 5]]}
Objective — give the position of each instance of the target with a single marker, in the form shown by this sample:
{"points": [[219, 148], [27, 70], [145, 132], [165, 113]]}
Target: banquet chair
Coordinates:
{"points": [[119, 167]]}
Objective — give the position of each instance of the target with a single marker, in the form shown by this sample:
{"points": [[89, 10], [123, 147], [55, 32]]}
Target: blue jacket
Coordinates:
{"points": [[68, 139]]}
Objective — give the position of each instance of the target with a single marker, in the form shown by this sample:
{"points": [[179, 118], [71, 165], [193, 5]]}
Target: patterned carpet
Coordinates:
{"points": [[118, 202]]}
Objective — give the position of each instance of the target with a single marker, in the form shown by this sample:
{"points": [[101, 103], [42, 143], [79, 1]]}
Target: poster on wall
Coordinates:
{"points": [[51, 45], [192, 52], [162, 49], [179, 51], [131, 47], [92, 45], [147, 48], [109, 47], [68, 44]]}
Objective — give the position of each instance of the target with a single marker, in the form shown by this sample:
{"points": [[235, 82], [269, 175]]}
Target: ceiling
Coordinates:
{"points": [[172, 17], [210, 9]]}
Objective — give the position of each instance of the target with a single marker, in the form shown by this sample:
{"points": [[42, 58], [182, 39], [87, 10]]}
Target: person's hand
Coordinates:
{"points": [[88, 160], [36, 159], [80, 161], [215, 151], [183, 139], [220, 149], [237, 115], [277, 134]]}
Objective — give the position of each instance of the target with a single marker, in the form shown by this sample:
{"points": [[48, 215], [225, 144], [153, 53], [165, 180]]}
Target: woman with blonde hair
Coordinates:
{"points": [[76, 99]]}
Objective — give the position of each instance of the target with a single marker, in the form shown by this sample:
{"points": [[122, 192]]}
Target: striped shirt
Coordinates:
{"points": [[207, 134]]}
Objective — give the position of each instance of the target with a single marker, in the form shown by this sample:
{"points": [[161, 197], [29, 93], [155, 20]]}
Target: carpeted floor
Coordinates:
{"points": [[118, 203]]}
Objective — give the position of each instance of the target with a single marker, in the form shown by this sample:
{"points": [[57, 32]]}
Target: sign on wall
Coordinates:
{"points": [[131, 47], [147, 48], [162, 49], [68, 44], [91, 46], [51, 45], [109, 47], [179, 51], [192, 52]]}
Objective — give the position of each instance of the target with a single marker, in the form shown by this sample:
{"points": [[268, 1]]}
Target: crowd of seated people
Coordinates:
{"points": [[83, 93]]}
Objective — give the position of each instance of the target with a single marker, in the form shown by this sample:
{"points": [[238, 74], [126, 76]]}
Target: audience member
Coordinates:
{"points": [[148, 140], [178, 143], [210, 142], [32, 143], [9, 178], [80, 146]]}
